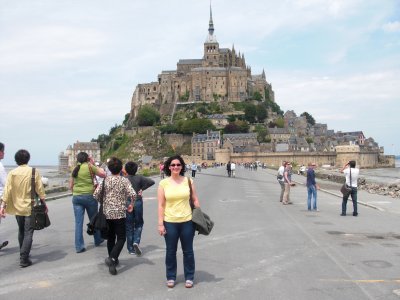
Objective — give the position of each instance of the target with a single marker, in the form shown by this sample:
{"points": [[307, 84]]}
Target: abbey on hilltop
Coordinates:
{"points": [[221, 75]]}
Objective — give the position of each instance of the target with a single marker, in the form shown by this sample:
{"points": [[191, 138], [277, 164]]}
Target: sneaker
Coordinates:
{"points": [[137, 249], [111, 263], [343, 214], [81, 251], [355, 214], [5, 243], [25, 263], [131, 252], [170, 283], [188, 284]]}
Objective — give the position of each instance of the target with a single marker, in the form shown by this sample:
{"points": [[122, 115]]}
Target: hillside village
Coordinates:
{"points": [[214, 109]]}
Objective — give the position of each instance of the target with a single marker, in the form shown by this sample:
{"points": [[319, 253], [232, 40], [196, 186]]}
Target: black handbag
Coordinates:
{"points": [[39, 217], [99, 221], [345, 189]]}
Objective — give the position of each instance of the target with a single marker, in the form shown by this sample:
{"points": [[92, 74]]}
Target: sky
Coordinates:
{"points": [[68, 69]]}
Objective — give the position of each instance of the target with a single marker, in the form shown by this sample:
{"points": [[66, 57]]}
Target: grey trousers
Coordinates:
{"points": [[25, 235], [282, 183]]}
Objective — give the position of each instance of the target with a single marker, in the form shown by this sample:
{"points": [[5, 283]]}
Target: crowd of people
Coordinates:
{"points": [[119, 191]]}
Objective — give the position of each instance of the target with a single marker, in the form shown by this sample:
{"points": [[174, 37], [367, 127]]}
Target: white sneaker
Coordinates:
{"points": [[137, 249]]}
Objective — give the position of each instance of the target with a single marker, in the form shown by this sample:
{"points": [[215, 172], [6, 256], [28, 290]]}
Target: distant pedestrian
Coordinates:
{"points": [[161, 167], [228, 168], [175, 219], [350, 171], [82, 187], [281, 180], [116, 190], [311, 188], [3, 176], [287, 175], [194, 169], [233, 169], [17, 201], [134, 219]]}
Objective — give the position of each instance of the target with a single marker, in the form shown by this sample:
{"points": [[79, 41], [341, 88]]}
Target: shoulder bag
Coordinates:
{"points": [[99, 221], [39, 217], [345, 189], [202, 222]]}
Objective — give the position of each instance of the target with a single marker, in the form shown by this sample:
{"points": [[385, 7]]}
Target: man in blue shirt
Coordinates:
{"points": [[311, 187]]}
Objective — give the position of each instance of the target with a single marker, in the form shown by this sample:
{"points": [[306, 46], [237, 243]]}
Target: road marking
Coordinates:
{"points": [[364, 280]]}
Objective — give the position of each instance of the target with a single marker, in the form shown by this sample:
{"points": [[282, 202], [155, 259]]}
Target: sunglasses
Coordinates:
{"points": [[175, 165]]}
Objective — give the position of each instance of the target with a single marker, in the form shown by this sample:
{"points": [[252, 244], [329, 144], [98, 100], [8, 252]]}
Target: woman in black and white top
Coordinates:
{"points": [[116, 190], [350, 170]]}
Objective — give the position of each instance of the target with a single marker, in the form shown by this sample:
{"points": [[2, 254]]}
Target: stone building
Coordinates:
{"points": [[91, 148], [220, 75], [205, 145]]}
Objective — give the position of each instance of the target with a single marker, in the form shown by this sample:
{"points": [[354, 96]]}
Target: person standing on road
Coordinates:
{"points": [[287, 175], [175, 219], [311, 187], [228, 168], [194, 169], [3, 177], [17, 201], [134, 220], [350, 170], [116, 190], [233, 169], [281, 180], [82, 187]]}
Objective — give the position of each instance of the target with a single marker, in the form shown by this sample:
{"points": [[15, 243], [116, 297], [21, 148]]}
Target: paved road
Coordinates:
{"points": [[259, 249]]}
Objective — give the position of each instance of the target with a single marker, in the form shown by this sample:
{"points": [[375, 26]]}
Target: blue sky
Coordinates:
{"points": [[68, 68]]}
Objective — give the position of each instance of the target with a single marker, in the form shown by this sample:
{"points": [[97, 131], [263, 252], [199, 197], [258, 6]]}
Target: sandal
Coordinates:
{"points": [[170, 283], [189, 284], [3, 245]]}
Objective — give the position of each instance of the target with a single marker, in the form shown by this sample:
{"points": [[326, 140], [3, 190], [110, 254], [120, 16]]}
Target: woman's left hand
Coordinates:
{"points": [[130, 208]]}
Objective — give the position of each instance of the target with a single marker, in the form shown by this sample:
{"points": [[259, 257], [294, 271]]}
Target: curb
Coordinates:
{"points": [[58, 196]]}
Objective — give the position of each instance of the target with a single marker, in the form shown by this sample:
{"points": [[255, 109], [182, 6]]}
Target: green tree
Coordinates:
{"points": [[257, 96], [280, 123], [147, 116], [261, 133], [196, 125], [261, 113], [126, 118], [309, 140], [310, 119], [250, 113]]}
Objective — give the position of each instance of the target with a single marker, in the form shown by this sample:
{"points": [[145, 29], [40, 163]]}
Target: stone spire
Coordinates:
{"points": [[211, 23]]}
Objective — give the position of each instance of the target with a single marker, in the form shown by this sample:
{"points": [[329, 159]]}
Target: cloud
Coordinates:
{"points": [[392, 26]]}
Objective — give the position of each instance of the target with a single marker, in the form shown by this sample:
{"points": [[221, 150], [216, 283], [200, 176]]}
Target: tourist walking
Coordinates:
{"points": [[82, 187], [281, 180], [311, 188], [233, 169], [228, 168], [116, 190], [175, 219], [193, 167], [3, 176], [287, 175], [351, 173], [17, 201], [134, 219]]}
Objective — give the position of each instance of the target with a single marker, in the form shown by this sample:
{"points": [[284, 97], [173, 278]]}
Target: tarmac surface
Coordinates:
{"points": [[259, 249]]}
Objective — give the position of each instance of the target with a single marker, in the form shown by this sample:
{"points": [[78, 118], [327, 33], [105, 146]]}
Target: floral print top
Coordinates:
{"points": [[116, 190]]}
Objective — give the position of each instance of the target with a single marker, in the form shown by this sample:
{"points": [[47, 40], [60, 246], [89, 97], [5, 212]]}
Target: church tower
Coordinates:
{"points": [[211, 46]]}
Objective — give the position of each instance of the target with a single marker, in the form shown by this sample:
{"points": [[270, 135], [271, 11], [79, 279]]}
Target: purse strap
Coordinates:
{"points": [[94, 179], [33, 187], [191, 194]]}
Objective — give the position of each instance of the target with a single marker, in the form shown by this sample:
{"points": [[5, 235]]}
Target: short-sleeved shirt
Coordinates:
{"points": [[310, 177], [354, 176], [177, 206], [288, 170], [83, 183]]}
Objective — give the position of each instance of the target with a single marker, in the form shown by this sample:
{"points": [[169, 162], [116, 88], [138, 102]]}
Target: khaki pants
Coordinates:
{"points": [[286, 198]]}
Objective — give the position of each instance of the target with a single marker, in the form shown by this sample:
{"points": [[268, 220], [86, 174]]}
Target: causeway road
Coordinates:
{"points": [[259, 248]]}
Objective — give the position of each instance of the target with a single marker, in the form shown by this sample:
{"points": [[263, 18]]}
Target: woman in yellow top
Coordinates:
{"points": [[175, 218]]}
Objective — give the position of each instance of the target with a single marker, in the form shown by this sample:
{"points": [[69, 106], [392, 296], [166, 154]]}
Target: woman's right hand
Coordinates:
{"points": [[161, 230]]}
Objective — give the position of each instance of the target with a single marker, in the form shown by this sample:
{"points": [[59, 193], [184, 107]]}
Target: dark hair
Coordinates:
{"points": [[1, 147], [114, 165], [22, 157], [131, 168], [352, 163], [82, 157], [167, 163]]}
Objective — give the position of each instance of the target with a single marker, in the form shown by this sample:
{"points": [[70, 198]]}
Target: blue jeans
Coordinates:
{"points": [[134, 224], [80, 204], [354, 198], [312, 193], [185, 233]]}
